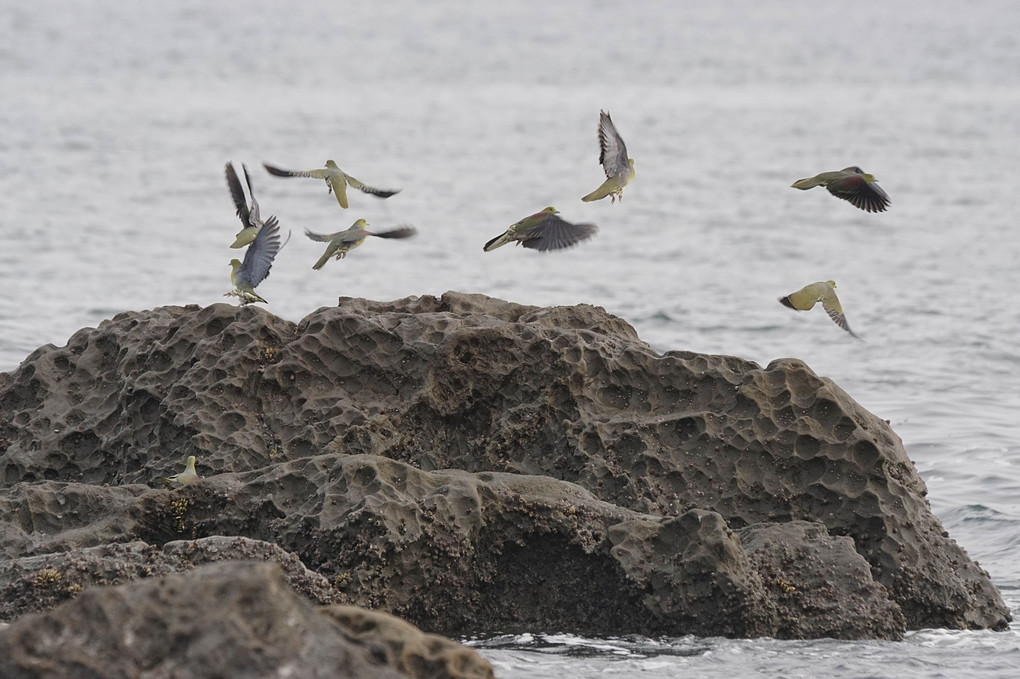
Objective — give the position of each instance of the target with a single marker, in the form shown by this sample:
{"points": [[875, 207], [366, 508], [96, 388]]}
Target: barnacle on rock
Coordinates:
{"points": [[46, 577]]}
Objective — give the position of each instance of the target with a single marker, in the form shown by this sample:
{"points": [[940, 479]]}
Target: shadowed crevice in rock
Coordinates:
{"points": [[543, 583], [318, 437]]}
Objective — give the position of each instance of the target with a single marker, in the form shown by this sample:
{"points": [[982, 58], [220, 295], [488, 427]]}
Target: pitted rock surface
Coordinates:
{"points": [[412, 653], [464, 382], [801, 566], [33, 583], [236, 619]]}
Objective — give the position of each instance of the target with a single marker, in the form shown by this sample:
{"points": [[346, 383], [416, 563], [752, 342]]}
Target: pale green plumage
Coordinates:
{"points": [[242, 289], [851, 184], [824, 292], [245, 237], [258, 260], [543, 231], [342, 242], [336, 180], [189, 475]]}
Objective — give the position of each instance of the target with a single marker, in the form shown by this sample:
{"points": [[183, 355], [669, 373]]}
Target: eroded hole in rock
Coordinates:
{"points": [[548, 584]]}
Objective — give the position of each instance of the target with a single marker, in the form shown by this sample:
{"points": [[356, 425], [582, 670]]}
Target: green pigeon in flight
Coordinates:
{"points": [[342, 242], [543, 231], [613, 158], [852, 184], [337, 181], [258, 259], [251, 221], [824, 292]]}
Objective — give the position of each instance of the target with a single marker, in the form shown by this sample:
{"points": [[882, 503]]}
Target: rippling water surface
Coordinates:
{"points": [[117, 120]]}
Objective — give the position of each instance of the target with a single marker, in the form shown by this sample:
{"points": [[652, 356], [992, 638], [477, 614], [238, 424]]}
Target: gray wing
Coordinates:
{"points": [[400, 232], [345, 236], [838, 318], [279, 172], [381, 193], [321, 237], [261, 253], [254, 218], [555, 233], [237, 193], [849, 185], [613, 155]]}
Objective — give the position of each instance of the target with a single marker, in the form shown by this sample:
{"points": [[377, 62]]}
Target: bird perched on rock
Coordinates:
{"points": [[824, 292], [851, 184], [613, 158], [336, 180], [543, 231], [184, 478], [251, 221], [258, 259], [342, 242]]}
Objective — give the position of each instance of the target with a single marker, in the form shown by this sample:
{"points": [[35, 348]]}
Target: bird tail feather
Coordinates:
{"points": [[322, 260], [245, 237], [809, 183], [599, 193], [496, 242]]}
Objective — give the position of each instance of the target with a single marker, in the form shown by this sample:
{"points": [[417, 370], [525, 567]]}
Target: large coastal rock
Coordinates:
{"points": [[236, 619], [477, 466]]}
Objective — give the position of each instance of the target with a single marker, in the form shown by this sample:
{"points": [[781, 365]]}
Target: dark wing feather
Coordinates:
{"points": [[401, 232], [278, 172], [254, 217], [247, 179], [237, 193], [381, 193], [840, 320], [872, 198], [868, 197], [555, 233], [261, 253]]}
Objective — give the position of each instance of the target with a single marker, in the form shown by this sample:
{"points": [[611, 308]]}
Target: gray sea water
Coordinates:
{"points": [[116, 120]]}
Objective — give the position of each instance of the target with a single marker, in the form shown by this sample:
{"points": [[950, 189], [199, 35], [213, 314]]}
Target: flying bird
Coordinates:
{"points": [[184, 478], [342, 242], [824, 292], [258, 259], [613, 158], [851, 184], [251, 221], [336, 180], [543, 231]]}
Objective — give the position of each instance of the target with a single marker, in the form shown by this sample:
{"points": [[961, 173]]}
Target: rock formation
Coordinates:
{"points": [[234, 619], [476, 466]]}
